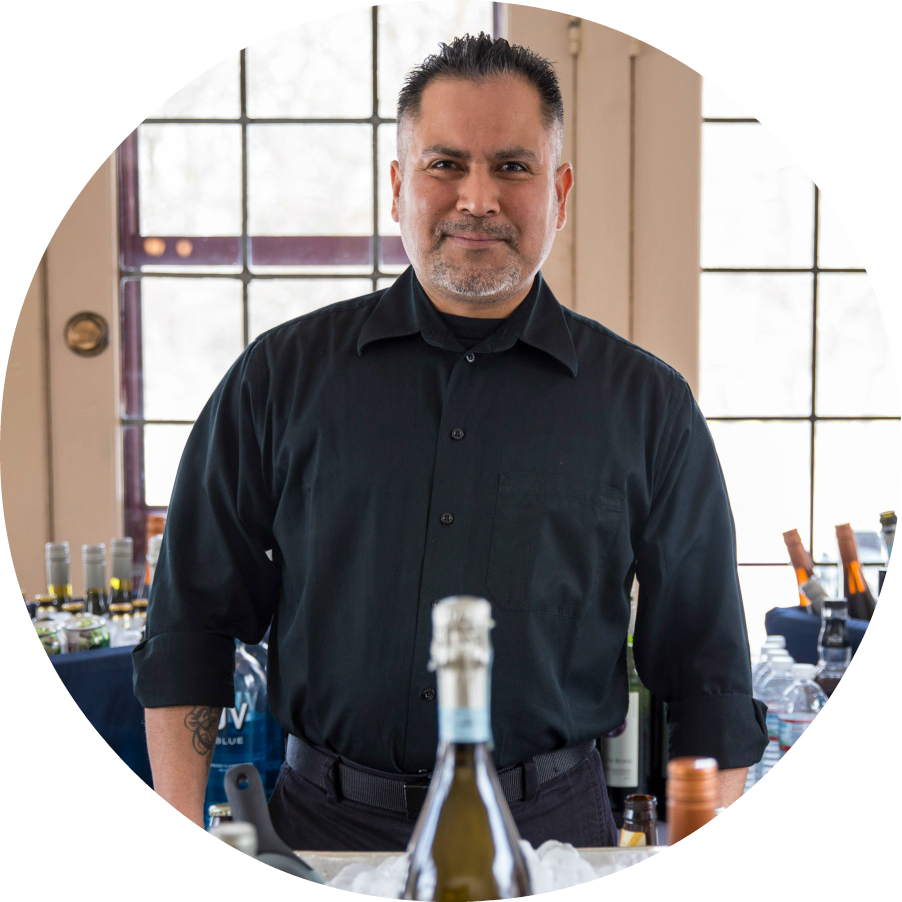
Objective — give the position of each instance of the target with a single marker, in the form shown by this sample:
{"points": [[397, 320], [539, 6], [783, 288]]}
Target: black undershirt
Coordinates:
{"points": [[470, 330]]}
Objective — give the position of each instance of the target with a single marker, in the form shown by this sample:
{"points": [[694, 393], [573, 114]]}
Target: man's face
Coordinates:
{"points": [[478, 194]]}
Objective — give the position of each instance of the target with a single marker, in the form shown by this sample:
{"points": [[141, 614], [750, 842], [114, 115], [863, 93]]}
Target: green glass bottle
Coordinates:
{"points": [[121, 565], [93, 559], [465, 846], [59, 580]]}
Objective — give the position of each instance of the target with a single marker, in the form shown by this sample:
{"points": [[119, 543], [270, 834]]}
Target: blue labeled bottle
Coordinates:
{"points": [[275, 741], [242, 735]]}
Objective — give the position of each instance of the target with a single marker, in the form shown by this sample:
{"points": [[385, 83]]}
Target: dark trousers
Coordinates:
{"points": [[572, 807]]}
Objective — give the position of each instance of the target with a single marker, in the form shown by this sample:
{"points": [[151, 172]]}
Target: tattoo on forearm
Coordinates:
{"points": [[203, 723]]}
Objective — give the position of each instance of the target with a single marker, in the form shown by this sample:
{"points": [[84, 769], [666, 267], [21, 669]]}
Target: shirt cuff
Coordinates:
{"points": [[184, 669], [729, 728]]}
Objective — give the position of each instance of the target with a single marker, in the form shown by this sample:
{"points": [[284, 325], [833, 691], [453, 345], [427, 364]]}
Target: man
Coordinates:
{"points": [[457, 433]]}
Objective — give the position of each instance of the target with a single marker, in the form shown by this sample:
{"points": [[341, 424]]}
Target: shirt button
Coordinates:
{"points": [[427, 695], [457, 434], [471, 357], [447, 519]]}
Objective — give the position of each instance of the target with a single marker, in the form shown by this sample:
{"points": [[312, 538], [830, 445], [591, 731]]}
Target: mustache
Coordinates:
{"points": [[485, 230]]}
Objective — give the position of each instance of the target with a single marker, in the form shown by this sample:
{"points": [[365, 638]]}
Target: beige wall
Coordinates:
{"points": [[60, 466], [628, 257]]}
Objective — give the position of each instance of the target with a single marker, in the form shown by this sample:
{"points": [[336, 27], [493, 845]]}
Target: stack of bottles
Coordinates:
{"points": [[795, 692]]}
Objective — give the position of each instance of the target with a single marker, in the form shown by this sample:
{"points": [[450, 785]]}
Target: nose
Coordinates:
{"points": [[478, 193]]}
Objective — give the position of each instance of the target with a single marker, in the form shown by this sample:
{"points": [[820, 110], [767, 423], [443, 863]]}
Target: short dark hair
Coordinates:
{"points": [[479, 58]]}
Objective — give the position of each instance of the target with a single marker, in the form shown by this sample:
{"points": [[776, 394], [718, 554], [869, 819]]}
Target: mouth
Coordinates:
{"points": [[474, 241]]}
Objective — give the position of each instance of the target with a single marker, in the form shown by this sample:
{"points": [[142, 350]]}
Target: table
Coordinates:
{"points": [[100, 682]]}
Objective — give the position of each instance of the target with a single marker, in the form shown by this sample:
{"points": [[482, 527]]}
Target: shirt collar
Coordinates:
{"points": [[538, 321]]}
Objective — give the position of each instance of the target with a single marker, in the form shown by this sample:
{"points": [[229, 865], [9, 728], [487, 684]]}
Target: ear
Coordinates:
{"points": [[563, 182], [395, 188]]}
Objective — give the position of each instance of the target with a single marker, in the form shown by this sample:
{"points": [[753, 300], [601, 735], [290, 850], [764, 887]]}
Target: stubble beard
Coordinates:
{"points": [[475, 282]]}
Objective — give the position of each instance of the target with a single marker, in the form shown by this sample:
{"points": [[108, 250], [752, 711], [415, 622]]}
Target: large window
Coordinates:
{"points": [[258, 193], [796, 375]]}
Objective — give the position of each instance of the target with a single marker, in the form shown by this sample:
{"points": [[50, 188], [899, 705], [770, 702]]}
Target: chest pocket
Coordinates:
{"points": [[551, 537]]}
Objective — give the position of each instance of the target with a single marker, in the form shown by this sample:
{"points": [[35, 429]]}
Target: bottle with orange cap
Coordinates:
{"points": [[693, 795], [861, 601]]}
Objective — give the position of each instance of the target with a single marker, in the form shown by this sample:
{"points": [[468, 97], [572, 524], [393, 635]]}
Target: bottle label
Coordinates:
{"points": [[629, 838], [464, 725], [773, 725], [791, 727], [621, 752]]}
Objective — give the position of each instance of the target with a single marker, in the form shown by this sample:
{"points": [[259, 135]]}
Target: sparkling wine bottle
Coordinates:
{"points": [[861, 601], [811, 593], [465, 845]]}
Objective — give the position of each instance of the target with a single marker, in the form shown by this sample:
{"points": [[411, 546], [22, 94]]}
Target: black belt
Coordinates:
{"points": [[406, 794]]}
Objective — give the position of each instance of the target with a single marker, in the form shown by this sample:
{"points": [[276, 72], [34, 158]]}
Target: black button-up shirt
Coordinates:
{"points": [[357, 464]]}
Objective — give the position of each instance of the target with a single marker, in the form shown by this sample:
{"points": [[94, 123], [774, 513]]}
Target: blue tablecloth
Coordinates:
{"points": [[801, 630], [100, 681]]}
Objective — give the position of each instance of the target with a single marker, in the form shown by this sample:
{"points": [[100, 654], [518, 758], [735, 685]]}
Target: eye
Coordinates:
{"points": [[513, 166], [443, 164]]}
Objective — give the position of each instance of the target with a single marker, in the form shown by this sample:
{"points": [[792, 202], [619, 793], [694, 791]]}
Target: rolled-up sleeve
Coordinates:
{"points": [[214, 581], [690, 642]]}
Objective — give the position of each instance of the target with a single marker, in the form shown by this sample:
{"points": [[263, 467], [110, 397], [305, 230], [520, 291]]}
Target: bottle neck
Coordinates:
{"points": [[463, 703]]}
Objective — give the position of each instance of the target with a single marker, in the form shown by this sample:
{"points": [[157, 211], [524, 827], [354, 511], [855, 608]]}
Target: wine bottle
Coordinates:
{"points": [[121, 562], [626, 753], [855, 587], [804, 571], [59, 580], [465, 846], [834, 650], [659, 743], [93, 559]]}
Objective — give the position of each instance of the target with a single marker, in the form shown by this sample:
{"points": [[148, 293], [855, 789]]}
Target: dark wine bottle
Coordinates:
{"points": [[59, 579], [121, 563], [93, 559], [627, 752], [465, 846], [803, 566], [855, 587], [834, 650]]}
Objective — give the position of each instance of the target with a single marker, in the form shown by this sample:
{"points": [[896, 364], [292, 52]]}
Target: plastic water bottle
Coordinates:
{"points": [[771, 693], [762, 667], [242, 735], [801, 702], [775, 644]]}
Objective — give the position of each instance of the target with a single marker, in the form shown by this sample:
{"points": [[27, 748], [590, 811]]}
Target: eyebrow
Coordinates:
{"points": [[507, 153]]}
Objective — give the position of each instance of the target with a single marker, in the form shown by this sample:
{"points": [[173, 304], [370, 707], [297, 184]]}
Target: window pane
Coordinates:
{"points": [[310, 179], [755, 344], [767, 471], [764, 588], [757, 203], [317, 70], [856, 476], [409, 32], [388, 151], [213, 95], [717, 104], [274, 301], [192, 331], [163, 447], [855, 371], [834, 247], [190, 179]]}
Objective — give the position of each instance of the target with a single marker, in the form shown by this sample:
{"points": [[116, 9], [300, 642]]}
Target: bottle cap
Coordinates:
{"points": [[73, 607], [154, 544], [56, 551], [222, 809], [777, 640], [45, 599], [93, 554], [804, 671], [693, 780], [120, 608], [460, 631]]}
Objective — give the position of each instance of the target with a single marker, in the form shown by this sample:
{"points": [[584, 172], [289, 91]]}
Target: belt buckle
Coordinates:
{"points": [[414, 796]]}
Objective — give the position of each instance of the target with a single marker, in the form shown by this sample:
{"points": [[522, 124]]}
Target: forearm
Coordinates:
{"points": [[180, 743], [732, 782]]}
